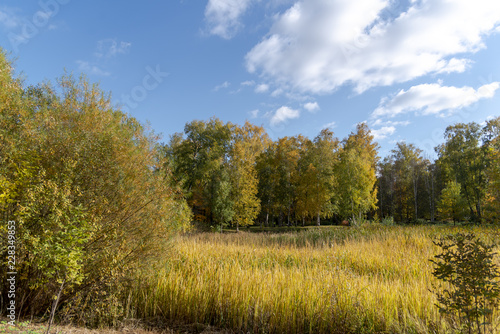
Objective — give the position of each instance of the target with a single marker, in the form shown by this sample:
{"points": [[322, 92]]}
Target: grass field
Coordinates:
{"points": [[370, 279]]}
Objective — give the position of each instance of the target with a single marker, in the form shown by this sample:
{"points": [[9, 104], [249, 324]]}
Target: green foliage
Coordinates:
{"points": [[464, 159], [409, 166], [83, 182], [356, 174], [209, 150], [223, 209], [195, 162], [452, 204], [387, 221], [492, 143], [471, 291], [248, 142], [56, 245]]}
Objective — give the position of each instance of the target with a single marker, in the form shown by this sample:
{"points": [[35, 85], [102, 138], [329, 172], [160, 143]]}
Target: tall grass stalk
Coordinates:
{"points": [[331, 280]]}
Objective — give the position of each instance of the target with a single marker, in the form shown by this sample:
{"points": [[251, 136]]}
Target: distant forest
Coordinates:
{"points": [[236, 175]]}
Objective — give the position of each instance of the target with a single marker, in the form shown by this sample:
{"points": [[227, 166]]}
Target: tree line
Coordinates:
{"points": [[237, 175], [461, 184]]}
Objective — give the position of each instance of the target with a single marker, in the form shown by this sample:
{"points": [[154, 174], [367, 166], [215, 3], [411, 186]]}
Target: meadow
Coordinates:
{"points": [[368, 279]]}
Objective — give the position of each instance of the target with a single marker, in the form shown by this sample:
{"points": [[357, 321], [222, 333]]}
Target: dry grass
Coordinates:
{"points": [[136, 328], [374, 279]]}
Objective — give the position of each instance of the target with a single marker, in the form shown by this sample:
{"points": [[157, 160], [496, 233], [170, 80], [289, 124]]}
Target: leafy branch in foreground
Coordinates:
{"points": [[471, 288]]}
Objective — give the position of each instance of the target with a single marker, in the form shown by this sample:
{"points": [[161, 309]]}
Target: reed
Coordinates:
{"points": [[371, 279]]}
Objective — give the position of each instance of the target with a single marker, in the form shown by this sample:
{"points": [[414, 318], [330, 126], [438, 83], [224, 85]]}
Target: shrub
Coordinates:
{"points": [[452, 205], [471, 289], [388, 220], [420, 221], [83, 182]]}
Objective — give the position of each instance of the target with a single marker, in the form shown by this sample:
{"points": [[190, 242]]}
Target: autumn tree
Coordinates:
{"points": [[267, 189], [223, 207], [196, 160], [431, 175], [452, 204], [247, 144], [85, 185], [409, 167], [286, 159], [356, 173], [464, 159], [386, 187], [324, 159], [307, 175], [492, 147]]}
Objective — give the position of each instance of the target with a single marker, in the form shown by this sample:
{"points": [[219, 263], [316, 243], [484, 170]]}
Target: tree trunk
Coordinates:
{"points": [[318, 220], [288, 217], [432, 198], [415, 193], [54, 306], [478, 209], [352, 209]]}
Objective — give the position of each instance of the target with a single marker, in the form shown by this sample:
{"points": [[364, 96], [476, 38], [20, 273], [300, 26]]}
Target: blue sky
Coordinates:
{"points": [[407, 68]]}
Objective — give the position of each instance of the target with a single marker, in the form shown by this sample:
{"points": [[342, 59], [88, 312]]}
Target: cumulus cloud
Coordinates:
{"points": [[223, 16], [383, 132], [311, 106], [283, 114], [262, 88], [433, 99], [277, 92], [319, 45]]}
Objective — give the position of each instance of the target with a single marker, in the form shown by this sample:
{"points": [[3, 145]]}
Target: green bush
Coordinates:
{"points": [[387, 220], [83, 182], [470, 288]]}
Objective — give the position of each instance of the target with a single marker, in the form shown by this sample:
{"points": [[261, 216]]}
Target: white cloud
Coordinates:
{"points": [[283, 114], [225, 84], [108, 48], [277, 92], [433, 99], [248, 83], [223, 16], [89, 68], [330, 125], [262, 88], [487, 119], [254, 113], [383, 132], [319, 45], [380, 122], [311, 106]]}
